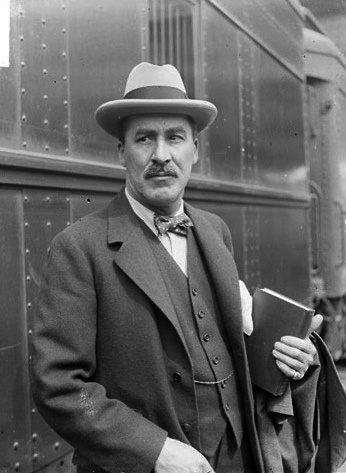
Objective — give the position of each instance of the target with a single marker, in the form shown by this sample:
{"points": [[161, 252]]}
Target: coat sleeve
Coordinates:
{"points": [[104, 431]]}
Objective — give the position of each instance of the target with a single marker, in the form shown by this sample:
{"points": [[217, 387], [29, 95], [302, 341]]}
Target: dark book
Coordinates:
{"points": [[274, 315]]}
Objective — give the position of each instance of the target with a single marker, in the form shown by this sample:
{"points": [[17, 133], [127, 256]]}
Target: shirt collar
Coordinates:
{"points": [[146, 214]]}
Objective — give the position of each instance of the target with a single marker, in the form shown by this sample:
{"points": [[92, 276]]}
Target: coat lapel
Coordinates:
{"points": [[135, 256]]}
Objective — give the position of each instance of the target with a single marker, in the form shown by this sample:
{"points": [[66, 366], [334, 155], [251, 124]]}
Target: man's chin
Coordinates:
{"points": [[163, 198]]}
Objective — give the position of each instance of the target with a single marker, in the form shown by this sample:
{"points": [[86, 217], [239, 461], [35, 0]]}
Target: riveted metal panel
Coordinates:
{"points": [[10, 87], [251, 242], [43, 53], [249, 161], [106, 40], [14, 378], [221, 88], [263, 22], [83, 204], [45, 214], [278, 97], [283, 251]]}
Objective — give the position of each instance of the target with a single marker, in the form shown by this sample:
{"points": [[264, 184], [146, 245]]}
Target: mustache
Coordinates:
{"points": [[160, 170]]}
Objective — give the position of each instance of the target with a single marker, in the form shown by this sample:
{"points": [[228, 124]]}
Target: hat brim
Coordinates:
{"points": [[110, 114]]}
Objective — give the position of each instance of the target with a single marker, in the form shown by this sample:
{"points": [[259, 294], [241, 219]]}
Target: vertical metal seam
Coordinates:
{"points": [[68, 82]]}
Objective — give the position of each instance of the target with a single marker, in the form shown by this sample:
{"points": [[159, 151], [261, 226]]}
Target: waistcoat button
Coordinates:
{"points": [[176, 377], [186, 427]]}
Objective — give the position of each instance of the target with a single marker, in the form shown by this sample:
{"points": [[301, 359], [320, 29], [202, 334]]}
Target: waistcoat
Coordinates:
{"points": [[198, 314]]}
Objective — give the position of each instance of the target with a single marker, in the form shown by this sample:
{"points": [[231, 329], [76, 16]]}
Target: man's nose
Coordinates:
{"points": [[161, 152]]}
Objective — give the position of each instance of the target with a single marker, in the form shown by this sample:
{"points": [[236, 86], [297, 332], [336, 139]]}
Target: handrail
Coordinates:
{"points": [[343, 232]]}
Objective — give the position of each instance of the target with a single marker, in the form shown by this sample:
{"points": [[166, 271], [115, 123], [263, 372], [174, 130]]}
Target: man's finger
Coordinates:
{"points": [[316, 322]]}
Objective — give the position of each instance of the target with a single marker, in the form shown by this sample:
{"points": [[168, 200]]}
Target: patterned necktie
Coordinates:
{"points": [[178, 224]]}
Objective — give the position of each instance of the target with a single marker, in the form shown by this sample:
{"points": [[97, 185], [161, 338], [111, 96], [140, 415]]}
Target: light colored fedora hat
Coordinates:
{"points": [[154, 89]]}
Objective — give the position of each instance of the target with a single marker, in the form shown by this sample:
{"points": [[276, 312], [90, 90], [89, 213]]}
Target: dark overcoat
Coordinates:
{"points": [[103, 367]]}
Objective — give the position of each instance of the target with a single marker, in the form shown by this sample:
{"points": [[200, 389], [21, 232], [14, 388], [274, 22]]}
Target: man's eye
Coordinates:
{"points": [[144, 139], [176, 138]]}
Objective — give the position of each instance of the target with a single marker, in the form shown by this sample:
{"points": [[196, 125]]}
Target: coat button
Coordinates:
{"points": [[216, 360], [186, 427], [201, 314], [206, 337], [194, 292], [176, 377]]}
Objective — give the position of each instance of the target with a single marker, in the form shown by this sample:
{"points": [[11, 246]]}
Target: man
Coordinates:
{"points": [[139, 358]]}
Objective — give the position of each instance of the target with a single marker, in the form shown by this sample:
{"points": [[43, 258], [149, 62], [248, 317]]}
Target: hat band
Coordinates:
{"points": [[156, 92]]}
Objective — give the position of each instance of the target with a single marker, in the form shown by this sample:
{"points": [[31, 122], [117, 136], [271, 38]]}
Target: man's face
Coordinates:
{"points": [[158, 153]]}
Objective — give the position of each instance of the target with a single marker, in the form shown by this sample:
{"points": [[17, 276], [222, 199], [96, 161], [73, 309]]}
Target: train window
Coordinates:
{"points": [[171, 37]]}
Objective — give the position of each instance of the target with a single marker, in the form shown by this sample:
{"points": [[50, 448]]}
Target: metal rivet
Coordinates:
{"points": [[28, 278], [44, 46], [29, 305], [45, 97], [68, 223], [56, 445], [22, 64], [35, 457], [67, 151], [16, 446], [33, 411], [27, 252], [34, 437], [65, 78], [63, 54], [17, 466], [30, 332], [45, 122], [23, 91], [44, 21], [22, 38], [63, 31], [66, 126], [48, 199], [65, 102], [67, 199], [23, 118], [48, 224], [45, 72], [46, 148]]}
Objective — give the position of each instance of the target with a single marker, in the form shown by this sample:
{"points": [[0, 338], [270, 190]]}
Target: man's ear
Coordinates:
{"points": [[196, 148], [121, 149]]}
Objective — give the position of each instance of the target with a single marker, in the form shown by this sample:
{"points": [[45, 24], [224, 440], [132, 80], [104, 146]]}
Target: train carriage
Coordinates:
{"points": [[66, 58], [325, 70]]}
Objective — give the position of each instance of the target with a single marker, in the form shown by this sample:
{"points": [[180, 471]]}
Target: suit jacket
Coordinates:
{"points": [[103, 372]]}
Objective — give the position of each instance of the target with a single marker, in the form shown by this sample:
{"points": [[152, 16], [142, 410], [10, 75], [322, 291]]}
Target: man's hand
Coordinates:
{"points": [[177, 457], [294, 355]]}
